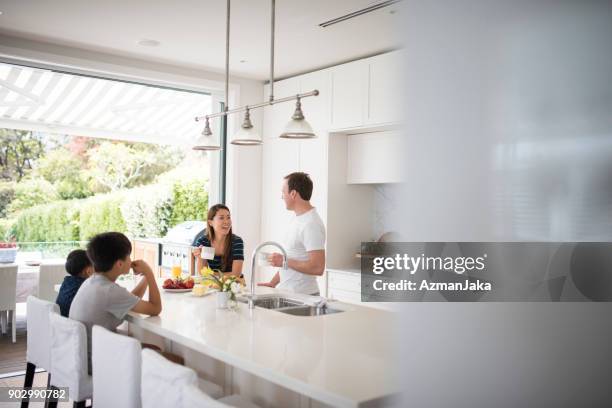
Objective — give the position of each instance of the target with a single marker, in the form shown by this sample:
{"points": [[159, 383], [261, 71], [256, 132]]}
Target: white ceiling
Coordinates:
{"points": [[192, 33]]}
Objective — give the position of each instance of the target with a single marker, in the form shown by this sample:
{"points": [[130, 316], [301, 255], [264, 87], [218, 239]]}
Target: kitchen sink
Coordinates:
{"points": [[273, 302], [309, 310], [290, 306]]}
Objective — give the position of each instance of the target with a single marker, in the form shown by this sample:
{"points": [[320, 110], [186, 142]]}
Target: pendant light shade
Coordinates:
{"points": [[205, 141], [298, 127], [247, 135]]}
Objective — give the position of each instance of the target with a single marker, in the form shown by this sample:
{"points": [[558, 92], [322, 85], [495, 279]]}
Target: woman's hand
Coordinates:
{"points": [[196, 251], [268, 284]]}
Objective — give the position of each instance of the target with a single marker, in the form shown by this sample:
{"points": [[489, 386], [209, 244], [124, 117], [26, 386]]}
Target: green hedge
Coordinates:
{"points": [[101, 214], [141, 212]]}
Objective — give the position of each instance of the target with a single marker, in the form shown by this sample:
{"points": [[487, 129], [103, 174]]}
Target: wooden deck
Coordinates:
{"points": [[13, 355]]}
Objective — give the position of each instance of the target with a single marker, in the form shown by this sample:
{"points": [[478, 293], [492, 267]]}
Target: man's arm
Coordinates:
{"points": [[153, 306], [315, 265], [272, 284]]}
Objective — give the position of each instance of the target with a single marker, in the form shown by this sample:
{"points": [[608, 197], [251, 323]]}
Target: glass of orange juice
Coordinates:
{"points": [[177, 271]]}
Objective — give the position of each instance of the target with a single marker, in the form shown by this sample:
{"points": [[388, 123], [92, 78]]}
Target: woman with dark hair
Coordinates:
{"points": [[229, 248]]}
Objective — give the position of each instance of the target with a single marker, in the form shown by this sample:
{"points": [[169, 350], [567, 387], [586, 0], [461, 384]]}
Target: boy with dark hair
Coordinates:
{"points": [[103, 302], [79, 268]]}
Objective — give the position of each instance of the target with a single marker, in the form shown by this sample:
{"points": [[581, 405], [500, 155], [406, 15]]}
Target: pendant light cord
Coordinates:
{"points": [[227, 42], [272, 52]]}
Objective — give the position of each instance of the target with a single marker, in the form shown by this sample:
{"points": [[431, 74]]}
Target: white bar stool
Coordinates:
{"points": [[69, 359], [164, 384], [39, 339], [116, 362]]}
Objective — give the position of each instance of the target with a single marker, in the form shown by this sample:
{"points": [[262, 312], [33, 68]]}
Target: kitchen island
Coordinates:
{"points": [[343, 359]]}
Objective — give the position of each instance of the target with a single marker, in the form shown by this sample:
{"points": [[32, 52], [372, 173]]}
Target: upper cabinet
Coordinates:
{"points": [[348, 94], [384, 91], [365, 92]]}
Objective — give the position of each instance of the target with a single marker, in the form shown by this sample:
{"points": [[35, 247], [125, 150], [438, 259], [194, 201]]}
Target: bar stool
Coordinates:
{"points": [[115, 362], [164, 383], [39, 336], [69, 359]]}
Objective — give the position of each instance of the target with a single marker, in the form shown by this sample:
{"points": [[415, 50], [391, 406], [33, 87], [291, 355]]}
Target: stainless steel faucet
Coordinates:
{"points": [[254, 265]]}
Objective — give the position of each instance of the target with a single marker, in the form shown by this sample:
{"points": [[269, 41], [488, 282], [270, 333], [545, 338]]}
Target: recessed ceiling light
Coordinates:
{"points": [[0, 13], [148, 43]]}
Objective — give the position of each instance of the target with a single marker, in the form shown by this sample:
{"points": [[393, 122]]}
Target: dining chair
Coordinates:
{"points": [[38, 353], [8, 293], [69, 365], [50, 274]]}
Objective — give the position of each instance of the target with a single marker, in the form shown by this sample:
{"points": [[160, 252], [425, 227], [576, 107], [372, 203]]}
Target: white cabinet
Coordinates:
{"points": [[366, 92], [349, 94], [384, 89], [344, 286], [374, 158]]}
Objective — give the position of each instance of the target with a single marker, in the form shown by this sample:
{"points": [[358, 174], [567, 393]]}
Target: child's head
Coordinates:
{"points": [[78, 264], [110, 251]]}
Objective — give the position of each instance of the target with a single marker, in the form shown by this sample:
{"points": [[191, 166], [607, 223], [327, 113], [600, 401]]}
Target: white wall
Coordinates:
{"points": [[507, 108], [244, 163]]}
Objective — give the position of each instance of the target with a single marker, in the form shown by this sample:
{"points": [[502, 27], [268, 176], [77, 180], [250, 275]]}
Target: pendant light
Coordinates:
{"points": [[298, 128], [247, 135], [205, 141]]}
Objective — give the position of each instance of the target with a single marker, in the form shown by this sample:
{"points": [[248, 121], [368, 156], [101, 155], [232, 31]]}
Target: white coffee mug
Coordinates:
{"points": [[207, 253], [262, 259]]}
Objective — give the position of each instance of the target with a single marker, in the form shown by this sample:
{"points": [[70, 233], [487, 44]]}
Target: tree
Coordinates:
{"points": [[18, 150], [66, 172], [115, 165]]}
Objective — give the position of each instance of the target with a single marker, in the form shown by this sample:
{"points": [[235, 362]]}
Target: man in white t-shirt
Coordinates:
{"points": [[304, 242]]}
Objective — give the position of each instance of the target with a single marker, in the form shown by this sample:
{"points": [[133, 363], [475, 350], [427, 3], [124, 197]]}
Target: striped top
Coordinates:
{"points": [[236, 254]]}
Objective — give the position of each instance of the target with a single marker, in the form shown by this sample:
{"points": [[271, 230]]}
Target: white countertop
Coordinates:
{"points": [[343, 359]]}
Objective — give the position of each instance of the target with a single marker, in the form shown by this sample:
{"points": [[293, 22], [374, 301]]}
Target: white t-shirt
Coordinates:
{"points": [[306, 233]]}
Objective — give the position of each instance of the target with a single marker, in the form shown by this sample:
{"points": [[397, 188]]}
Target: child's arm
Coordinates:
{"points": [[153, 306]]}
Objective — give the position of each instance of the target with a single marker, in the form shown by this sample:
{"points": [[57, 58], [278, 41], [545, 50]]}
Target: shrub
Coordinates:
{"points": [[101, 214], [7, 193], [143, 212], [147, 212], [32, 192], [51, 222], [189, 202], [6, 229]]}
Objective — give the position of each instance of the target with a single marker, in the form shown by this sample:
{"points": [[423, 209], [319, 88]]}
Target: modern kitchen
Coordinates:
{"points": [[318, 104], [199, 202]]}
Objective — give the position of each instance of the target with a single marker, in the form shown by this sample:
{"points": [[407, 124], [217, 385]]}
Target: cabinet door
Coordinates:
{"points": [[349, 93], [280, 157], [313, 152], [278, 115], [383, 89]]}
